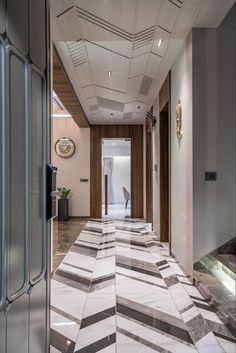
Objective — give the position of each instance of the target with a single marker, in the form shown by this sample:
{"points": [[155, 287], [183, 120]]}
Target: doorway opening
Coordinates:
{"points": [[116, 178]]}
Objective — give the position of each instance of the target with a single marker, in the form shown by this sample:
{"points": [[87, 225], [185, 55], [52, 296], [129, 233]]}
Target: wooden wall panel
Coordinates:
{"points": [[135, 133], [65, 91]]}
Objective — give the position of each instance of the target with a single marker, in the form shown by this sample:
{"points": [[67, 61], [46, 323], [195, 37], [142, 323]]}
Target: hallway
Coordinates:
{"points": [[119, 290]]}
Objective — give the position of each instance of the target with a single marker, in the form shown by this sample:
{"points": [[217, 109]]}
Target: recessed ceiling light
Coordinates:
{"points": [[138, 107], [113, 143], [111, 114], [159, 42], [109, 73]]}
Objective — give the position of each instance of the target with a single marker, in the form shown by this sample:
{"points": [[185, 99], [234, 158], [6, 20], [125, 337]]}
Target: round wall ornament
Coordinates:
{"points": [[64, 147]]}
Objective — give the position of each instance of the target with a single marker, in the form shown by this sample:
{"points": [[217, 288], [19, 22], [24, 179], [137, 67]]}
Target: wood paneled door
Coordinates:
{"points": [[135, 134]]}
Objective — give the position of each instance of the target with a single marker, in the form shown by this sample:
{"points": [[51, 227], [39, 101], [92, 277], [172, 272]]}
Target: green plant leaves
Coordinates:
{"points": [[64, 193]]}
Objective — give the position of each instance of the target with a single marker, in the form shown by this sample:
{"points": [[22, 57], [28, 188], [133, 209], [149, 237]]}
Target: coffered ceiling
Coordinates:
{"points": [[111, 53]]}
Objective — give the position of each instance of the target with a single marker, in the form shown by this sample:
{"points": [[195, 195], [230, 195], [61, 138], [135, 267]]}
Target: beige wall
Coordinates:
{"points": [[181, 159], [71, 170]]}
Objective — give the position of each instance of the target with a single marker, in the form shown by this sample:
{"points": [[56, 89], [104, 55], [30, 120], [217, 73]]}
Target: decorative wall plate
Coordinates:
{"points": [[64, 147]]}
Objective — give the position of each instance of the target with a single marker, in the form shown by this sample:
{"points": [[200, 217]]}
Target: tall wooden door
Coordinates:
{"points": [[23, 157]]}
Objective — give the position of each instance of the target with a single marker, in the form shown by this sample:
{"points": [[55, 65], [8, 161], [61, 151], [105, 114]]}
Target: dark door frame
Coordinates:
{"points": [[165, 161], [135, 134]]}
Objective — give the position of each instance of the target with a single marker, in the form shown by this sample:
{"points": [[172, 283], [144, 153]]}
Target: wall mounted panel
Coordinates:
{"points": [[37, 33], [16, 173], [17, 24], [2, 16], [36, 175], [17, 325]]}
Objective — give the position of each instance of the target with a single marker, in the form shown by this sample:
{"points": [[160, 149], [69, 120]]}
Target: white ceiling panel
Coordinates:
{"points": [[92, 101], [84, 74], [138, 65], [168, 15], [142, 49], [160, 51], [108, 93], [89, 91], [133, 88], [105, 38], [60, 6], [116, 13], [147, 14], [153, 65], [121, 36], [69, 25], [101, 61]]}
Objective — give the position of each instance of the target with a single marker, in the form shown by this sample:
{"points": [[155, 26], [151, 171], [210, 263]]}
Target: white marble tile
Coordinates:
{"points": [[151, 296], [180, 297], [64, 326], [228, 347], [191, 290], [93, 239], [80, 260], [190, 314], [68, 299], [210, 315], [104, 267], [155, 337], [76, 271], [176, 269], [128, 345], [209, 344], [95, 332], [98, 302], [142, 276], [106, 253]]}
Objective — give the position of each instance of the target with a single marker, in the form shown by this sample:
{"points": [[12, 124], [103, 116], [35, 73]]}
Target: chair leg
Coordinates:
{"points": [[126, 204]]}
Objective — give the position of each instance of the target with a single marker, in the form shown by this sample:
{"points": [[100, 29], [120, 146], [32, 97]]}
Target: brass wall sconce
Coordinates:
{"points": [[178, 128]]}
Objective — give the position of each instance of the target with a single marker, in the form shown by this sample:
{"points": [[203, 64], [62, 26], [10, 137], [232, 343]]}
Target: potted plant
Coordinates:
{"points": [[63, 204]]}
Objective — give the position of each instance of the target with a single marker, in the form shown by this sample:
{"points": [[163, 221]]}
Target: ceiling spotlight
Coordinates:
{"points": [[159, 43], [138, 107], [109, 73], [111, 114], [113, 143]]}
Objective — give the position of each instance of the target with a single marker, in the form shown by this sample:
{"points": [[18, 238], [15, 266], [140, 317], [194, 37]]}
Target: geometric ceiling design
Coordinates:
{"points": [[111, 52]]}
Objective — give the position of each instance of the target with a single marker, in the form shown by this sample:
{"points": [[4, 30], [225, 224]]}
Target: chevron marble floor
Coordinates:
{"points": [[118, 291]]}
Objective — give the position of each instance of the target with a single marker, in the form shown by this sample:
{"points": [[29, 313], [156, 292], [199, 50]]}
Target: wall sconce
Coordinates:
{"points": [[153, 118]]}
